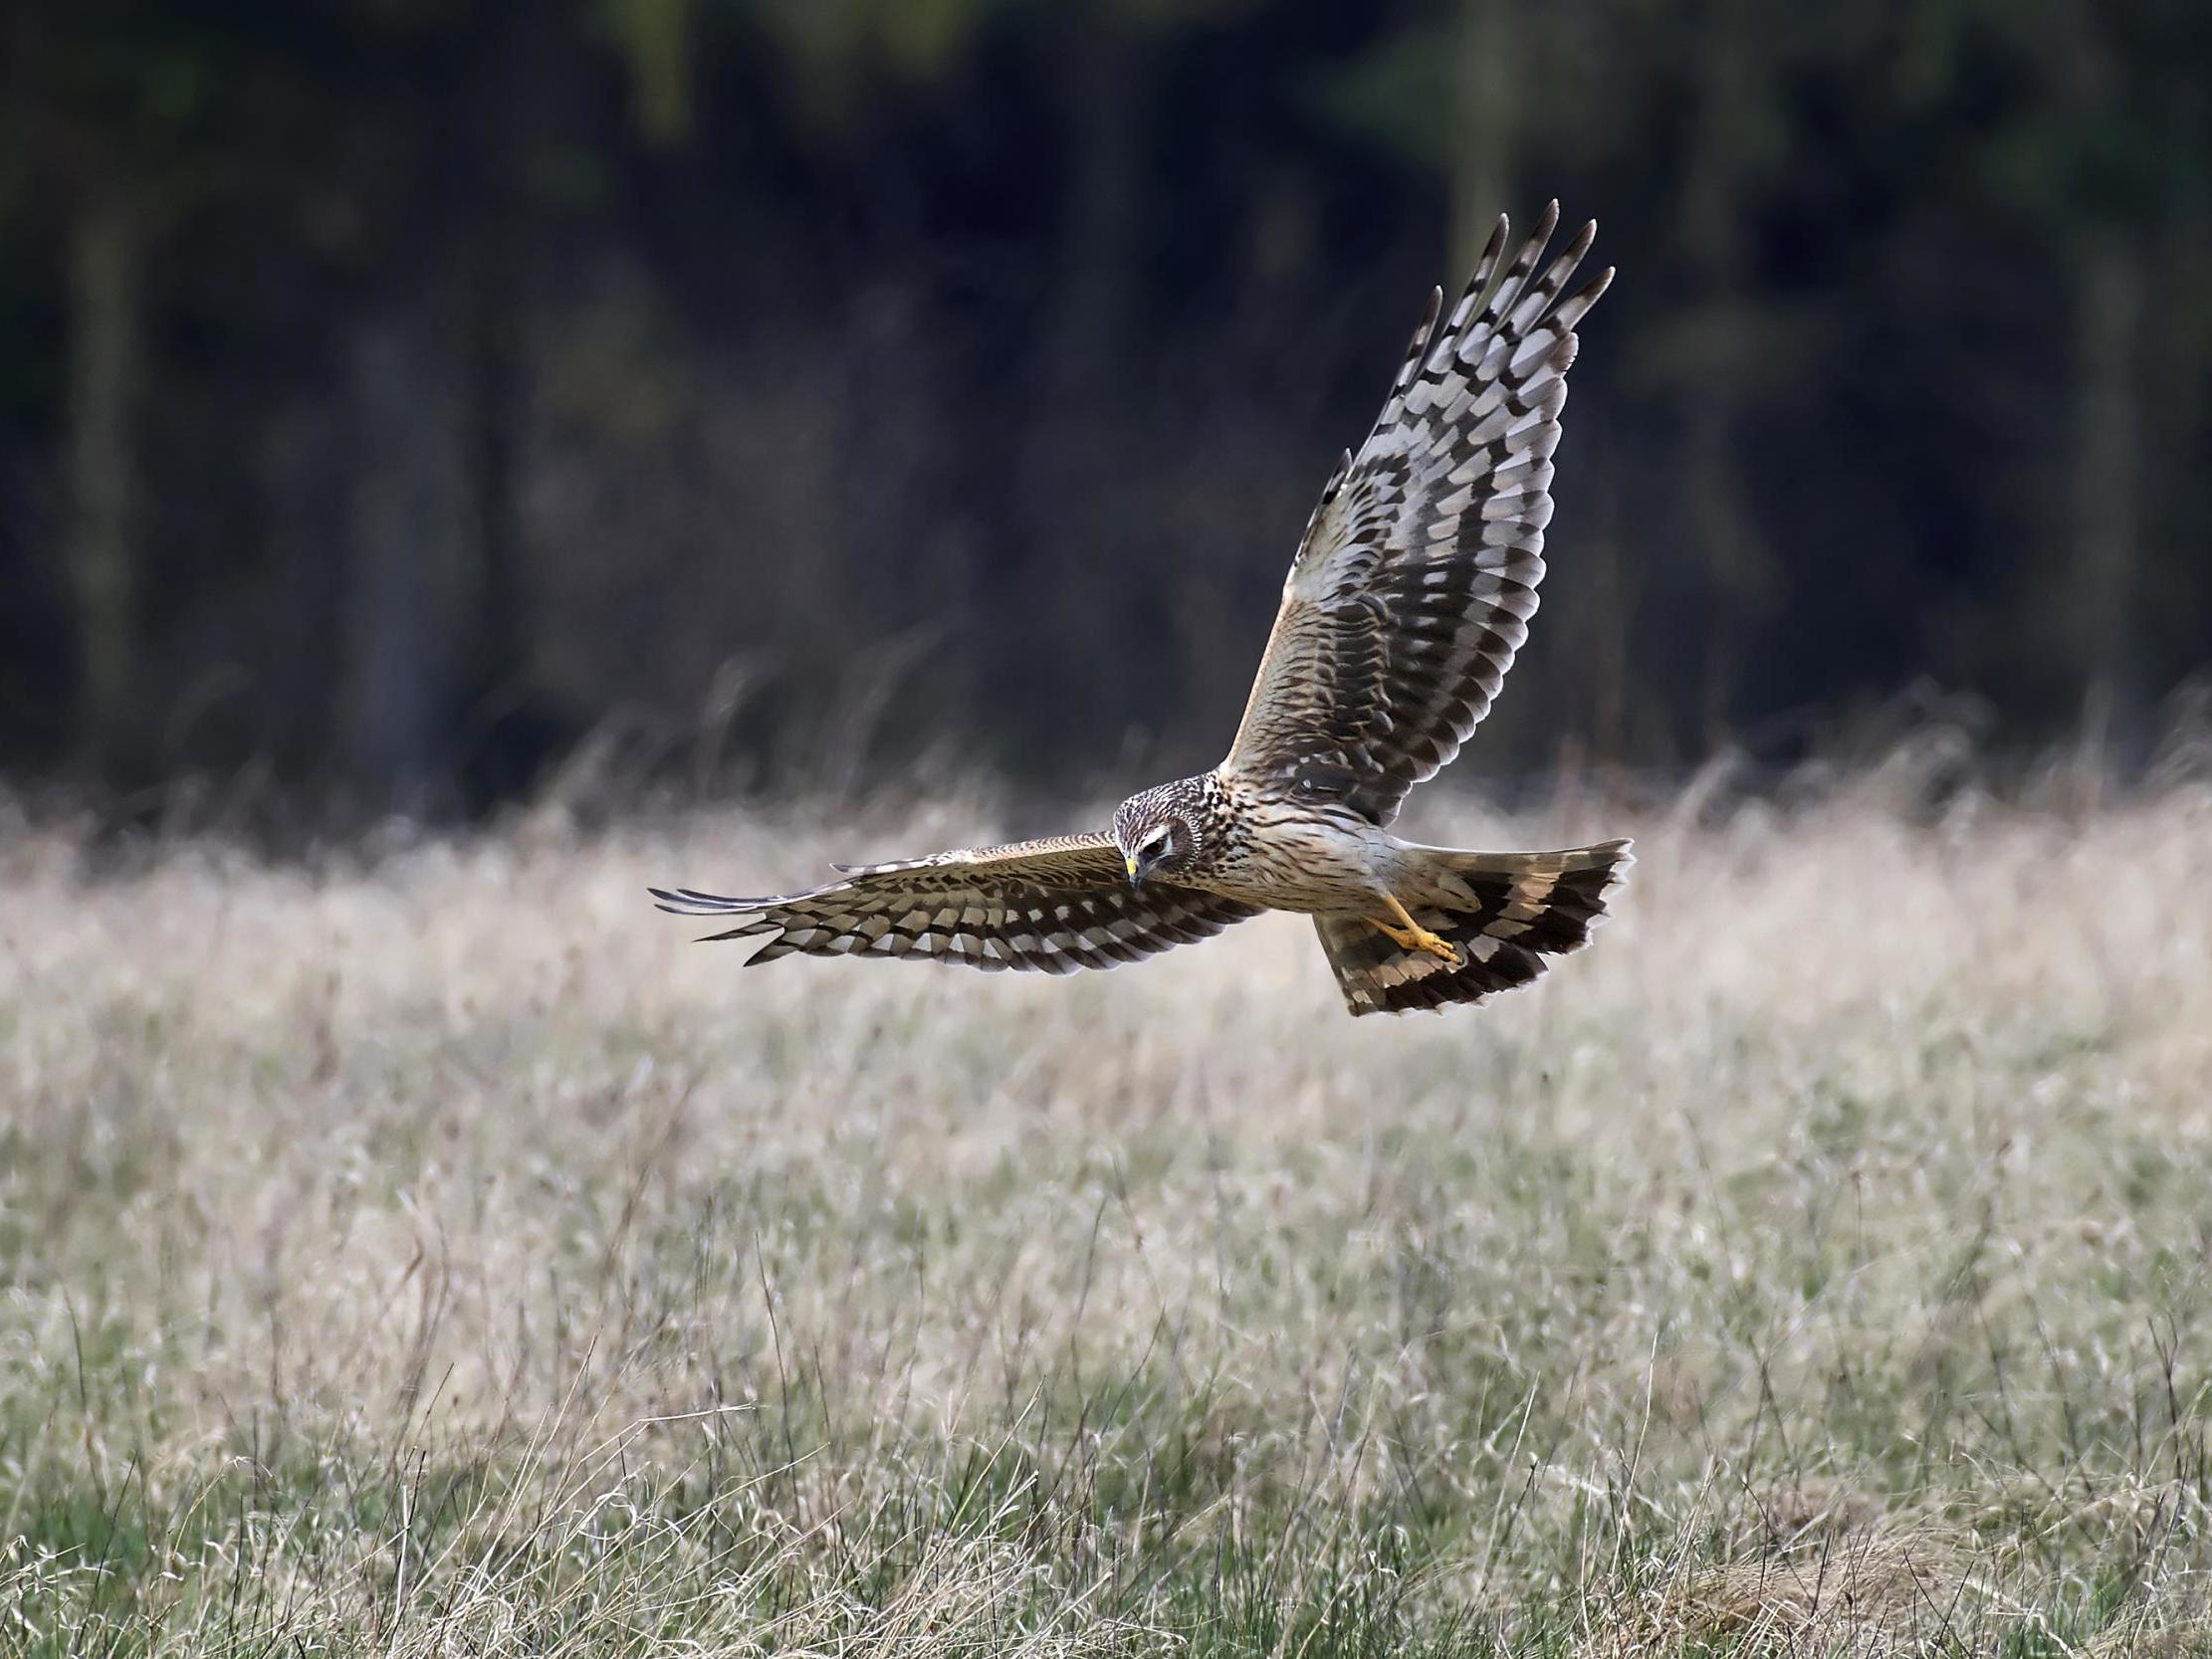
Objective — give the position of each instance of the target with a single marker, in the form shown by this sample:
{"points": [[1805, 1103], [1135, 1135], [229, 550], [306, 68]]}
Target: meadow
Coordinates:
{"points": [[432, 1252]]}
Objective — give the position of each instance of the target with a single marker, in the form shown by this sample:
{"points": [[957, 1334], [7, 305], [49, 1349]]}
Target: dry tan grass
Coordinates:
{"points": [[1816, 1264], [1863, 1593]]}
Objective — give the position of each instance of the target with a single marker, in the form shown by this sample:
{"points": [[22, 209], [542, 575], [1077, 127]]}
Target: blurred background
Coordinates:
{"points": [[409, 399]]}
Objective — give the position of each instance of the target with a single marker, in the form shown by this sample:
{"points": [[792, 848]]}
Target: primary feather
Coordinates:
{"points": [[1055, 906], [1413, 587]]}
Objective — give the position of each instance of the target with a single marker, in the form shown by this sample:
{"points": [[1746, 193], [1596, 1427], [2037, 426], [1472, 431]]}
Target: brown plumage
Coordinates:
{"points": [[1409, 597], [1055, 906]]}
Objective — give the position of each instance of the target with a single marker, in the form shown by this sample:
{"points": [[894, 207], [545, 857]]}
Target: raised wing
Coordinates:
{"points": [[1416, 577], [1052, 905]]}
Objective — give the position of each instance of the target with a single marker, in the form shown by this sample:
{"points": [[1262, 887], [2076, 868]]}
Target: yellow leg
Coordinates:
{"points": [[1410, 934]]}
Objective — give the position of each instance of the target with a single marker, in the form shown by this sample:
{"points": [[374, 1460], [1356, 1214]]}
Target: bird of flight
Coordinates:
{"points": [[1410, 594]]}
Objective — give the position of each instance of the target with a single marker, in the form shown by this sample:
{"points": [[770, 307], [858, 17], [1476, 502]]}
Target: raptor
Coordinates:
{"points": [[1407, 600]]}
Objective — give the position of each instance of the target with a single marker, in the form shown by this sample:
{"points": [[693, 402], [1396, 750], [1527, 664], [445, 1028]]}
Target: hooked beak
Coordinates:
{"points": [[1136, 874]]}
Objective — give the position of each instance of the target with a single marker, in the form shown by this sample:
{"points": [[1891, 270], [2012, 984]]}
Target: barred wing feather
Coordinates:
{"points": [[1414, 581], [1052, 905]]}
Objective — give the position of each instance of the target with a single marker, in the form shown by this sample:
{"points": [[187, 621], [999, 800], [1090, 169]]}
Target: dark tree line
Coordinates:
{"points": [[400, 390]]}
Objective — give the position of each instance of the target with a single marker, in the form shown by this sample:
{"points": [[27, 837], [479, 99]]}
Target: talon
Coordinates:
{"points": [[1414, 937]]}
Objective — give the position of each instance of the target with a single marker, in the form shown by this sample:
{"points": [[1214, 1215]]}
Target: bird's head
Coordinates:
{"points": [[1158, 831]]}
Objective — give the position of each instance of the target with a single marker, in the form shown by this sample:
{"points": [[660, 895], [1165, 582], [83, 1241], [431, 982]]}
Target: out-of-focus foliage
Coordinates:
{"points": [[400, 389]]}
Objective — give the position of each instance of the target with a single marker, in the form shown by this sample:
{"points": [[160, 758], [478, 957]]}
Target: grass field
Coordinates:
{"points": [[440, 1254]]}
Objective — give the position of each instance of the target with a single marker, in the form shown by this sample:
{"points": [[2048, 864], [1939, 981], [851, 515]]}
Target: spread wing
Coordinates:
{"points": [[1053, 906], [1415, 582]]}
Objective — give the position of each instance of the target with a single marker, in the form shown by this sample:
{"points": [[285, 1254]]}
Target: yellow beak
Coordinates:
{"points": [[1132, 866]]}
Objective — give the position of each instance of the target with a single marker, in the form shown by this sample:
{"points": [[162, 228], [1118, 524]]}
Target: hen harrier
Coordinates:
{"points": [[1410, 594]]}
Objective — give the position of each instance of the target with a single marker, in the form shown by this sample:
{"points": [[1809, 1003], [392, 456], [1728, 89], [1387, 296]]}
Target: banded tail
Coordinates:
{"points": [[1520, 910]]}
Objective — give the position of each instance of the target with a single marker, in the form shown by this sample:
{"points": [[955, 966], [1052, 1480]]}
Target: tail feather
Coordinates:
{"points": [[1508, 913]]}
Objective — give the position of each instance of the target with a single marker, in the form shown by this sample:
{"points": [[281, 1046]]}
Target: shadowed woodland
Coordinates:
{"points": [[403, 392]]}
